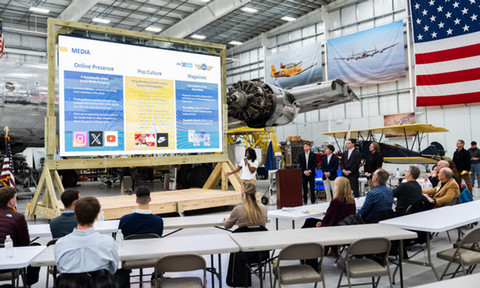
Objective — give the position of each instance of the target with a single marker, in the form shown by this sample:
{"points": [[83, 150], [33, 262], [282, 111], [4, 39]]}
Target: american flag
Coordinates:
{"points": [[7, 177], [2, 43], [447, 51]]}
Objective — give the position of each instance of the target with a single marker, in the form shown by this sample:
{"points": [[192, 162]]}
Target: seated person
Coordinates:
{"points": [[249, 213], [65, 223], [408, 193], [142, 221], [442, 164], [342, 205], [14, 224], [445, 191], [11, 222], [379, 199], [85, 250]]}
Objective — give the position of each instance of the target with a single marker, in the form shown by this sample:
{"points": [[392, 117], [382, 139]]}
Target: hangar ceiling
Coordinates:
{"points": [[220, 21]]}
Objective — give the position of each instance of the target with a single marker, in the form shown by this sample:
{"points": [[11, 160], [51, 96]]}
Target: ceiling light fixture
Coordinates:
{"points": [[235, 43], [100, 20], [39, 10], [199, 37], [249, 10], [205, 0], [289, 19], [153, 29]]}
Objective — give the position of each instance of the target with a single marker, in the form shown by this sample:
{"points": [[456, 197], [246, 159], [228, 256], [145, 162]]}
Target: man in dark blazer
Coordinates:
{"points": [[350, 163], [329, 168], [308, 163]]}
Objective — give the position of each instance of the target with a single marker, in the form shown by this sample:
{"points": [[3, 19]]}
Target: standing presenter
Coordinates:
{"points": [[248, 167]]}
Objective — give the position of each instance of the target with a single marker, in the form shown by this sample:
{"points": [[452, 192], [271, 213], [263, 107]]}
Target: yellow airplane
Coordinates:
{"points": [[396, 153], [288, 70]]}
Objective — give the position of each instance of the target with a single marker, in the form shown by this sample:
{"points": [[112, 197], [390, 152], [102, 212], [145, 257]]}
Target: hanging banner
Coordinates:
{"points": [[369, 57], [447, 52], [294, 67]]}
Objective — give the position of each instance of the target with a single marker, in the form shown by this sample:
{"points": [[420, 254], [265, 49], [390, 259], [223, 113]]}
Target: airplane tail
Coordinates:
{"points": [[273, 71]]}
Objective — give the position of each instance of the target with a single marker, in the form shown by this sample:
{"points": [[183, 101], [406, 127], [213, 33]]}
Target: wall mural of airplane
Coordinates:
{"points": [[288, 70], [365, 53]]}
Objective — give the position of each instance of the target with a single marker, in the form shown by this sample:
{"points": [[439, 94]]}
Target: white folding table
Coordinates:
{"points": [[43, 230], [22, 256], [141, 249], [327, 236], [437, 220], [306, 211], [111, 226]]}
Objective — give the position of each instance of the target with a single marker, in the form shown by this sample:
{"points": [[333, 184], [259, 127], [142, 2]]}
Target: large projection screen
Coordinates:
{"points": [[120, 99]]}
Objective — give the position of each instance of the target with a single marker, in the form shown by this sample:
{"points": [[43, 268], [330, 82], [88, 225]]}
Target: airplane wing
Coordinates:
{"points": [[388, 47], [344, 58], [399, 129], [414, 160], [337, 134], [307, 68]]}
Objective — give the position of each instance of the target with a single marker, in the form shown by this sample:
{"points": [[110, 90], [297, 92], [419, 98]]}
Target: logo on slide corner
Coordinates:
{"points": [[203, 67]]}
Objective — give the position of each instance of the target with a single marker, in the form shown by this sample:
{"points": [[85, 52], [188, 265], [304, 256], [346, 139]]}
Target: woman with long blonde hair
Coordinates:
{"points": [[250, 212], [341, 206]]}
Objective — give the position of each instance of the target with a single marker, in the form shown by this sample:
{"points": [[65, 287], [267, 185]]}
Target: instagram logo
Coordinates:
{"points": [[80, 139]]}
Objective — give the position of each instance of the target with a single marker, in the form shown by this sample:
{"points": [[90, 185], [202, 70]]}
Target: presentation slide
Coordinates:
{"points": [[120, 99]]}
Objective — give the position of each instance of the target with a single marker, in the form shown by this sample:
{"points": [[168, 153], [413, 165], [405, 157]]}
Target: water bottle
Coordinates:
{"points": [[119, 239], [101, 218], [397, 174], [8, 247]]}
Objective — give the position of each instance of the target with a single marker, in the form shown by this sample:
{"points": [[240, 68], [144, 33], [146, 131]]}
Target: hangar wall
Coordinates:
{"points": [[375, 100], [27, 46]]}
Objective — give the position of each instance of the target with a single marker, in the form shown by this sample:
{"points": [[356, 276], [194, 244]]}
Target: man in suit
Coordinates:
{"points": [[308, 163], [329, 168], [350, 163], [445, 191]]}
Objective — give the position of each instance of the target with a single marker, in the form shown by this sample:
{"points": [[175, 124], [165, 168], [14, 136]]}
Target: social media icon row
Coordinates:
{"points": [[95, 139]]}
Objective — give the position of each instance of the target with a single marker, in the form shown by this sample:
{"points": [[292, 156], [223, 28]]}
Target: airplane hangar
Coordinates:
{"points": [[252, 31], [379, 55]]}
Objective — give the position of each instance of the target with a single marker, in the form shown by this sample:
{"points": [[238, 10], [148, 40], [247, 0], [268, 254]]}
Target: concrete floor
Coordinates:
{"points": [[413, 275]]}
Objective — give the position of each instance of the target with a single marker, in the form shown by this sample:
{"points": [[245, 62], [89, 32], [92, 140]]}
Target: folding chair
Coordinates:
{"points": [[299, 273], [367, 267], [461, 256], [255, 262], [51, 269], [180, 263], [100, 278], [140, 264]]}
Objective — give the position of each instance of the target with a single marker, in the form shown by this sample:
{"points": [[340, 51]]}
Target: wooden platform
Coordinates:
{"points": [[170, 201]]}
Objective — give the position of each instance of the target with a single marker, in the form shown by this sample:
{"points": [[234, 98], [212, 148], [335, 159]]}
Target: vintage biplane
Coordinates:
{"points": [[288, 70], [394, 153]]}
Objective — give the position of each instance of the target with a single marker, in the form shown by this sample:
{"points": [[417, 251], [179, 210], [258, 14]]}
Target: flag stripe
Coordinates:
{"points": [[448, 89], [443, 67], [442, 44], [449, 77], [447, 55], [448, 99]]}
